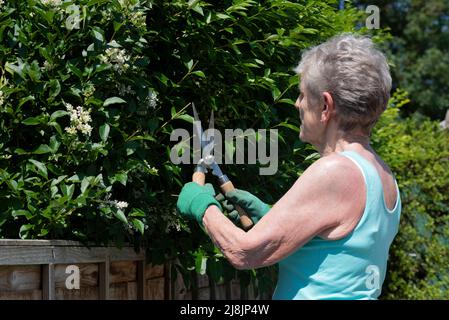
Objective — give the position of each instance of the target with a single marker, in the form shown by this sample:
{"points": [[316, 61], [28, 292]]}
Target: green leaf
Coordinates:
{"points": [[21, 212], [138, 225], [56, 125], [118, 25], [131, 147], [43, 148], [74, 178], [120, 215], [34, 121], [75, 70], [24, 100], [41, 168], [185, 117], [113, 100], [276, 93], [13, 184], [104, 132], [54, 144], [55, 88], [192, 3], [201, 263], [121, 177], [58, 114], [223, 16], [54, 182], [23, 232], [54, 191], [34, 71], [98, 34], [85, 183], [136, 212], [287, 101], [198, 9], [145, 137], [43, 232], [20, 151], [288, 125], [313, 156], [19, 68], [199, 74], [114, 44], [67, 190]]}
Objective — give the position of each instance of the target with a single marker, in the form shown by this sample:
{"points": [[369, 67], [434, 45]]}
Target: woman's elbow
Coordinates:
{"points": [[240, 264], [245, 258]]}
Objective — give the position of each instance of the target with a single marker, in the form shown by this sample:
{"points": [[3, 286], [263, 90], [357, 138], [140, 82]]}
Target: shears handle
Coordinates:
{"points": [[200, 178], [246, 221]]}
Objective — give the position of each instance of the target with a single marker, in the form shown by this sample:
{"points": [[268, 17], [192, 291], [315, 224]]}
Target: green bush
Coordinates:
{"points": [[87, 107], [417, 151]]}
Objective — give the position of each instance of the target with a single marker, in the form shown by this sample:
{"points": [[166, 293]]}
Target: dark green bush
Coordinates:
{"points": [[134, 67], [417, 151]]}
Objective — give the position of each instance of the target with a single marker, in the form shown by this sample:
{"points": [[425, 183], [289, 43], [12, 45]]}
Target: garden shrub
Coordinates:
{"points": [[417, 151]]}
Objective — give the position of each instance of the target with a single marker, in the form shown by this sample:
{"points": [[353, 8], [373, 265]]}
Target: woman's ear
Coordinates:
{"points": [[328, 107]]}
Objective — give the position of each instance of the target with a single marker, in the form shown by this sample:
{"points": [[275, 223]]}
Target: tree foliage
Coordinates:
{"points": [[417, 151], [419, 51]]}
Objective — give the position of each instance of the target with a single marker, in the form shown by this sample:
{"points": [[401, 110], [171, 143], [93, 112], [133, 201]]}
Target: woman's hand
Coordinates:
{"points": [[194, 199], [253, 206]]}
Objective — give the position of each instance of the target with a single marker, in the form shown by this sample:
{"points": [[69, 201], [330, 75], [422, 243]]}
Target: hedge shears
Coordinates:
{"points": [[207, 162]]}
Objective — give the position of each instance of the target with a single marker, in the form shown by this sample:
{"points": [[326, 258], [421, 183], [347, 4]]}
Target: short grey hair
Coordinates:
{"points": [[355, 73]]}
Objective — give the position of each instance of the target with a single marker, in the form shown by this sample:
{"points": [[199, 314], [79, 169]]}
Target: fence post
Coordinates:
{"points": [[103, 281], [48, 281]]}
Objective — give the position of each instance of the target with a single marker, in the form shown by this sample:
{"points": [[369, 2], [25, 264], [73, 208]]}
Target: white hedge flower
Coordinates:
{"points": [[124, 89], [70, 130], [47, 66], [138, 19], [117, 58], [89, 91], [120, 204], [79, 120], [134, 12], [152, 99], [52, 3]]}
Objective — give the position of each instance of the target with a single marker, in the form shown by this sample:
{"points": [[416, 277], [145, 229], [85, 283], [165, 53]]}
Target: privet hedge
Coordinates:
{"points": [[92, 89]]}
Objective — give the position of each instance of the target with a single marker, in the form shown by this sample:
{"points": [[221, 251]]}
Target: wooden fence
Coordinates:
{"points": [[51, 269]]}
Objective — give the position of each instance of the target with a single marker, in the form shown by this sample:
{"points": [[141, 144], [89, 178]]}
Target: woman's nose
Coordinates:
{"points": [[298, 103]]}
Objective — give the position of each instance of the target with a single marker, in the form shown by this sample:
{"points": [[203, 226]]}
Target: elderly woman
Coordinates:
{"points": [[331, 232]]}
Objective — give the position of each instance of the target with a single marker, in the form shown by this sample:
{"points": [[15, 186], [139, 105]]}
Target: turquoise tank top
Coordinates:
{"points": [[353, 267]]}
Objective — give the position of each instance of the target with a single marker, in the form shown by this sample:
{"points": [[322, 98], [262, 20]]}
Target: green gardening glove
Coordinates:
{"points": [[194, 199], [253, 206]]}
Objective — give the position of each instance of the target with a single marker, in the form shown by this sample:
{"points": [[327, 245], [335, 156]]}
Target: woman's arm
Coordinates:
{"points": [[329, 196]]}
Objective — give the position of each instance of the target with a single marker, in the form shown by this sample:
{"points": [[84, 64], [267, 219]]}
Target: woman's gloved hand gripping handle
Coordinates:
{"points": [[253, 206]]}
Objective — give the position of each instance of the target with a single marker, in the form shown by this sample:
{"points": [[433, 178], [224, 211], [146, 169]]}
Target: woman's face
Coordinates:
{"points": [[310, 130]]}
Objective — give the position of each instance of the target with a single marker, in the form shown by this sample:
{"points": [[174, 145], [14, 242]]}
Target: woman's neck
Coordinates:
{"points": [[343, 141]]}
